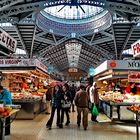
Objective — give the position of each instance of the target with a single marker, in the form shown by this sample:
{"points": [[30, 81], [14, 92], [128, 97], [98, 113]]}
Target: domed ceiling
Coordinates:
{"points": [[74, 21]]}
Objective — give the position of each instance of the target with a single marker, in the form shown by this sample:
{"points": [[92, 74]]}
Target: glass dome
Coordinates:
{"points": [[73, 21], [74, 12]]}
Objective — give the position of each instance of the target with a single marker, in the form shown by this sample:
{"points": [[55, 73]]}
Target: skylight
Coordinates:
{"points": [[73, 49], [73, 12]]}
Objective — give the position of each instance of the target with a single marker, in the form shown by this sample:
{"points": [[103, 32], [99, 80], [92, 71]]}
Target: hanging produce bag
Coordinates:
{"points": [[95, 111]]}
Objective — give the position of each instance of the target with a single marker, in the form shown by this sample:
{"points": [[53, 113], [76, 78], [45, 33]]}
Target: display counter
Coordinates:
{"points": [[116, 111], [29, 109], [2, 123]]}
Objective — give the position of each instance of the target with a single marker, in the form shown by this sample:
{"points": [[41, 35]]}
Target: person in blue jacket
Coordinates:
{"points": [[6, 97]]}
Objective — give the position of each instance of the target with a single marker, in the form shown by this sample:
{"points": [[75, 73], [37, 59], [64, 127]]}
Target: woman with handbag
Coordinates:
{"points": [[66, 104], [94, 99], [56, 105]]}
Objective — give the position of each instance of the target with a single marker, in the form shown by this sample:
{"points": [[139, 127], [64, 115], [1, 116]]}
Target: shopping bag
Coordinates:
{"points": [[66, 104], [95, 111]]}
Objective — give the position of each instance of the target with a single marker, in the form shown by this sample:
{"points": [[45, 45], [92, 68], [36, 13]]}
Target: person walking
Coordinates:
{"points": [[94, 99], [48, 100], [66, 104], [73, 92], [81, 101], [56, 105]]}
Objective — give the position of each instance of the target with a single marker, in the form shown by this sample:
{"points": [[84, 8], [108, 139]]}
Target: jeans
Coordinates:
{"points": [[63, 111], [50, 121]]}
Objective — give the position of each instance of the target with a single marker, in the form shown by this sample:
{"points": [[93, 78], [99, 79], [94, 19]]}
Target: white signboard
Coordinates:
{"points": [[16, 62], [118, 65], [7, 41], [23, 63], [136, 48], [124, 64]]}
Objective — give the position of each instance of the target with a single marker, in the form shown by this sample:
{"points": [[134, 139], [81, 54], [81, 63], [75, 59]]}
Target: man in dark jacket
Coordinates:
{"points": [[73, 92], [81, 101]]}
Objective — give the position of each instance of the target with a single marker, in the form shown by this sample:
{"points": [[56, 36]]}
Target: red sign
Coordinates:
{"points": [[113, 64], [136, 48]]}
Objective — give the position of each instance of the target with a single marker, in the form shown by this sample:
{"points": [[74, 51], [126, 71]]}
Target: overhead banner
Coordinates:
{"points": [[136, 49], [6, 41]]}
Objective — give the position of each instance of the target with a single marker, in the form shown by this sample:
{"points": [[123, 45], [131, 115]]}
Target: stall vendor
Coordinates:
{"points": [[24, 85], [6, 97], [131, 88]]}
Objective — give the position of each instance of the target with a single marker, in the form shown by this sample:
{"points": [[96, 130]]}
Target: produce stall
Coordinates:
{"points": [[114, 103], [34, 74]]}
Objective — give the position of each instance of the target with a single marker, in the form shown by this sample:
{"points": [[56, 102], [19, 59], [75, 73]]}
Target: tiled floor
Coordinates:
{"points": [[36, 130]]}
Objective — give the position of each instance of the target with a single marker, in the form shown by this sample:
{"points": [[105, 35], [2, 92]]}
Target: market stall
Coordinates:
{"points": [[26, 79], [112, 77]]}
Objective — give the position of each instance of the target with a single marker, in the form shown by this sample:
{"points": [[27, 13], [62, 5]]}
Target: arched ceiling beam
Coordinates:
{"points": [[92, 38], [127, 39], [96, 47], [4, 4], [54, 38], [9, 19], [102, 40], [31, 51], [43, 51], [115, 44], [117, 6], [21, 40], [137, 2], [41, 33], [48, 41], [106, 34]]}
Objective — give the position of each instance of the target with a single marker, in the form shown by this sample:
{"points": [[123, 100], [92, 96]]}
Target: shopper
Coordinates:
{"points": [[81, 101], [49, 94], [6, 97], [88, 86], [94, 99], [56, 105], [66, 104], [73, 92]]}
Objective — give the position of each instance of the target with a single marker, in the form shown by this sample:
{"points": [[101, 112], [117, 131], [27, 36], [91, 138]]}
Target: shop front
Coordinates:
{"points": [[27, 81], [113, 77]]}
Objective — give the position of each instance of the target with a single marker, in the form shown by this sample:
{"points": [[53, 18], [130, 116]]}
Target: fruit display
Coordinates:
{"points": [[5, 111], [135, 108]]}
